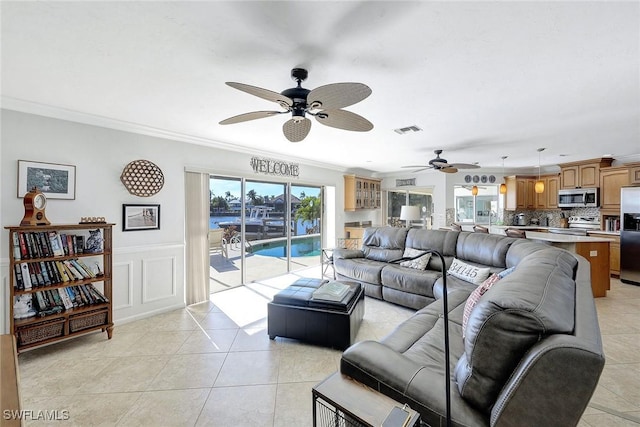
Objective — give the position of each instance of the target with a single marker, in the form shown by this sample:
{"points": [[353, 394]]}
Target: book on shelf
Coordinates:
{"points": [[17, 254], [62, 271], [24, 254], [99, 296], [86, 268], [32, 274], [45, 274], [78, 266], [19, 284], [56, 243], [26, 275], [79, 244], [76, 274], [331, 291], [64, 296]]}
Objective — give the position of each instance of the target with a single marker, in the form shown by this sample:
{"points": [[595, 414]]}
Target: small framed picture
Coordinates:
{"points": [[140, 217], [54, 180]]}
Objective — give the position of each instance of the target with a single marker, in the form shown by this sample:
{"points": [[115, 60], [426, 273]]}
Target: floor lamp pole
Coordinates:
{"points": [[445, 303]]}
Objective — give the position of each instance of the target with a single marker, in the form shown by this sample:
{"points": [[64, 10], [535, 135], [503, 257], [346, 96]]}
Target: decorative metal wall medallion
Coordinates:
{"points": [[142, 178]]}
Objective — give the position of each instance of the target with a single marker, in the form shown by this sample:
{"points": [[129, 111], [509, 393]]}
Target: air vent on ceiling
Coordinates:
{"points": [[402, 131]]}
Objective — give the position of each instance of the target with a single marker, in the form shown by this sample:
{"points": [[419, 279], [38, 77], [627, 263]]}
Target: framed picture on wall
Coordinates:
{"points": [[140, 217], [56, 181]]}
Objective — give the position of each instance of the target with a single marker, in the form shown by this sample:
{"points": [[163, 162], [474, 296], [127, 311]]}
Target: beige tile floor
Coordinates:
{"points": [[212, 364]]}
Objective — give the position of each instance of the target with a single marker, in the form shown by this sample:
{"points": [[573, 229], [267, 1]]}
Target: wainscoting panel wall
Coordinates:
{"points": [[147, 280], [123, 276]]}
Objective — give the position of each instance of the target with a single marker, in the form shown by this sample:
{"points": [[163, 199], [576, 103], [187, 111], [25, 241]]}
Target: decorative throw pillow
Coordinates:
{"points": [[473, 298], [419, 263], [467, 272]]}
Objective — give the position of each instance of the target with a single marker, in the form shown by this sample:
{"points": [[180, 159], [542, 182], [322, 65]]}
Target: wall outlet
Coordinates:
{"points": [[593, 253]]}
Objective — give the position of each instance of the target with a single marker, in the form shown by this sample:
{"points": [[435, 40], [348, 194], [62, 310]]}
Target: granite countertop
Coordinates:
{"points": [[564, 238]]}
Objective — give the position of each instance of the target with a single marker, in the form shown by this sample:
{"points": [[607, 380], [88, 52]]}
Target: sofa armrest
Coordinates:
{"points": [[347, 253]]}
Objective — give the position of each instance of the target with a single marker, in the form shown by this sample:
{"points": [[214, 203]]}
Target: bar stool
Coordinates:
{"points": [[514, 232], [480, 229]]}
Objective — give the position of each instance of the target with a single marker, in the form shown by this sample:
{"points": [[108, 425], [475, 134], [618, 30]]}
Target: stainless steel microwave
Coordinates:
{"points": [[579, 198]]}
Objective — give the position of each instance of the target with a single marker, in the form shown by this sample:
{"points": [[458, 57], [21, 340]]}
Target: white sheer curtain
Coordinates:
{"points": [[197, 230]]}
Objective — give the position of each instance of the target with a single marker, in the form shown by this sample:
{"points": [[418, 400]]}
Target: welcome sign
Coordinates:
{"points": [[274, 167]]}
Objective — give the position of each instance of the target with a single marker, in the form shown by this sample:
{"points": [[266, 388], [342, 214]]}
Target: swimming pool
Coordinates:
{"points": [[306, 246]]}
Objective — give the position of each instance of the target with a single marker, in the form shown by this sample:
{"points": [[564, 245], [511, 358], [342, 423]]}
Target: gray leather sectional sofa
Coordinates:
{"points": [[530, 354]]}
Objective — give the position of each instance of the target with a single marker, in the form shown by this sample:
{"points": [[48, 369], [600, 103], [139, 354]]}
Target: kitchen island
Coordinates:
{"points": [[594, 249]]}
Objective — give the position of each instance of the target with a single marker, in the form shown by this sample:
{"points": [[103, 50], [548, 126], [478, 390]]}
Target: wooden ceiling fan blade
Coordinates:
{"points": [[250, 116], [343, 119], [416, 166], [448, 170], [463, 166], [267, 94], [421, 169], [296, 130], [337, 95]]}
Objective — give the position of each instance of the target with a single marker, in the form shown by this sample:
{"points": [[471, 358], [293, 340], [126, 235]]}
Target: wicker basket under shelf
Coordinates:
{"points": [[42, 331], [87, 320]]}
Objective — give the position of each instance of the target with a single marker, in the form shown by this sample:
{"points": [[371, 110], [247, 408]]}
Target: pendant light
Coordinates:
{"points": [[503, 186], [539, 187]]}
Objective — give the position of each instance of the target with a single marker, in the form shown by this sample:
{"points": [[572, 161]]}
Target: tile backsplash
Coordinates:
{"points": [[553, 215]]}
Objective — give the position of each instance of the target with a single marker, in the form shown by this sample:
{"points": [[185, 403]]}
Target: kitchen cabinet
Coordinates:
{"points": [[521, 192], [583, 174], [552, 185], [614, 252], [611, 181], [634, 173], [361, 193]]}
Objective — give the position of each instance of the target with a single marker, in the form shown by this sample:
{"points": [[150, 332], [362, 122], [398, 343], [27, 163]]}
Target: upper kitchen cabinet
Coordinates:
{"points": [[521, 193], [611, 181], [361, 193], [634, 173], [583, 174]]}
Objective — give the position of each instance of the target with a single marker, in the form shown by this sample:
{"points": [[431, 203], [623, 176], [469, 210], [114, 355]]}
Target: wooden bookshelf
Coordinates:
{"points": [[92, 307]]}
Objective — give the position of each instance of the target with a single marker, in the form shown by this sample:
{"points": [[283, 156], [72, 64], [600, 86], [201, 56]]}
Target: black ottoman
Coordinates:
{"points": [[294, 313]]}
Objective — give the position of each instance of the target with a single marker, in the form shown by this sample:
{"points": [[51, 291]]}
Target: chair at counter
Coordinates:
{"points": [[514, 232], [480, 229]]}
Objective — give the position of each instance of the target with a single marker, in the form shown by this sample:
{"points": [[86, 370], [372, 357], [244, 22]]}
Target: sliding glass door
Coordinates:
{"points": [[265, 230], [261, 229], [306, 237]]}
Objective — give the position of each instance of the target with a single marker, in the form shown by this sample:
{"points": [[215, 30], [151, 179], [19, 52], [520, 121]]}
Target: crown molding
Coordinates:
{"points": [[29, 107]]}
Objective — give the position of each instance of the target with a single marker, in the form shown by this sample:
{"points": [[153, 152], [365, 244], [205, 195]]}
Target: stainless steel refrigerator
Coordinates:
{"points": [[630, 235]]}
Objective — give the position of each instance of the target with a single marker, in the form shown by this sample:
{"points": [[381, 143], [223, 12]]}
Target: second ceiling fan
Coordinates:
{"points": [[325, 103], [442, 165]]}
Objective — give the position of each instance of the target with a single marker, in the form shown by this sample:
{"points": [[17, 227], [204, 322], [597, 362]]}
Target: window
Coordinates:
{"points": [[396, 199], [481, 209]]}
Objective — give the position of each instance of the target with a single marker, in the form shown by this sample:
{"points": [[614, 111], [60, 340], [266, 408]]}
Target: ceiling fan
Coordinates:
{"points": [[442, 165], [325, 103]]}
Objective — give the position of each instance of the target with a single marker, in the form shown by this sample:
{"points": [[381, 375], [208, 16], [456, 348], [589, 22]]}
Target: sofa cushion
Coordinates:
{"points": [[510, 318], [468, 272], [483, 248], [360, 269], [438, 240], [384, 243], [418, 259], [410, 280]]}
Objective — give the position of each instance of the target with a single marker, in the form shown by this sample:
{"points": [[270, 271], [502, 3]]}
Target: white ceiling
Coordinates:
{"points": [[482, 79]]}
